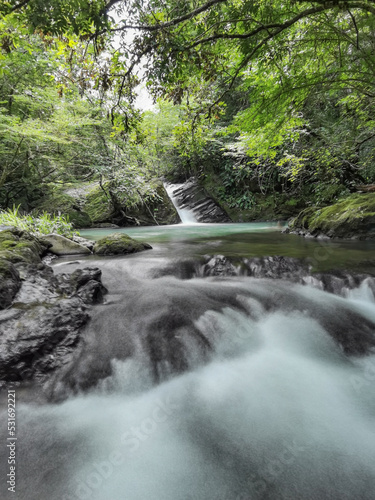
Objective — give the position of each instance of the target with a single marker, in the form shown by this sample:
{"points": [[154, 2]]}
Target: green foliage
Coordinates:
{"points": [[353, 216], [267, 98], [42, 224]]}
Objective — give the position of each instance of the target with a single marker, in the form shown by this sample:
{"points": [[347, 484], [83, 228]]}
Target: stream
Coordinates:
{"points": [[203, 378]]}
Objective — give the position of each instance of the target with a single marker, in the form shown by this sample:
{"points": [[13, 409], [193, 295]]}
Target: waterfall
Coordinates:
{"points": [[186, 215]]}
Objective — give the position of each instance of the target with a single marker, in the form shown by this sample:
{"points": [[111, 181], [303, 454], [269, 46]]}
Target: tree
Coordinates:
{"points": [[285, 60]]}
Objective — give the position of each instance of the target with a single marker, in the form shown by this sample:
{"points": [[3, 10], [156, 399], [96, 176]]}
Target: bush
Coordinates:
{"points": [[42, 224]]}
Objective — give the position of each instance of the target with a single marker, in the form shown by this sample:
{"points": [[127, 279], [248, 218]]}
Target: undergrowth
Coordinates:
{"points": [[40, 224]]}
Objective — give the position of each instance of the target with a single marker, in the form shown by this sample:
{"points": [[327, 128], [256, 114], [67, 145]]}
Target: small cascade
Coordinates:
{"points": [[203, 375], [194, 204], [186, 215], [209, 388]]}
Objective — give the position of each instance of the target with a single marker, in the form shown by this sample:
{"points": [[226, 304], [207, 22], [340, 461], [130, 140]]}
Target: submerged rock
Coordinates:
{"points": [[275, 267], [168, 326], [63, 246], [119, 244]]}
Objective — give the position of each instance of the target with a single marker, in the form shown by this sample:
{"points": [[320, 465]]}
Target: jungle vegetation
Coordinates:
{"points": [[268, 103]]}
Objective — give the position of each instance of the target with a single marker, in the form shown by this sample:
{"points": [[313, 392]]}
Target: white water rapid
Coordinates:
{"points": [[277, 408]]}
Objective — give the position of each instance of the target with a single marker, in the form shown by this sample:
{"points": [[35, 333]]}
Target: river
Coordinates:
{"points": [[196, 385]]}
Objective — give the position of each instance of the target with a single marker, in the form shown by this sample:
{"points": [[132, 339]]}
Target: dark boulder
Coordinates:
{"points": [[42, 313], [10, 283], [42, 329]]}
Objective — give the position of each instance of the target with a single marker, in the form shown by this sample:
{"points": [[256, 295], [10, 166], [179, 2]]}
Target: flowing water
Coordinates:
{"points": [[186, 215], [209, 387]]}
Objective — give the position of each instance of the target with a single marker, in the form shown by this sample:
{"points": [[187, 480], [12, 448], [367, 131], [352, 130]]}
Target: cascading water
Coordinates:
{"points": [[196, 387], [186, 215]]}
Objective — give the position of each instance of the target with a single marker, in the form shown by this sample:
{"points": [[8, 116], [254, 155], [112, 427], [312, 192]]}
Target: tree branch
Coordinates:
{"points": [[19, 6], [173, 22], [282, 26], [356, 28]]}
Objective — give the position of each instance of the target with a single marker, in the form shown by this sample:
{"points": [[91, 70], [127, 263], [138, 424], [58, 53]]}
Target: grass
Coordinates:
{"points": [[41, 224]]}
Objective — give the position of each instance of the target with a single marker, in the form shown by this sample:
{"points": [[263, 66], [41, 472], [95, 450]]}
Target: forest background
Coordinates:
{"points": [[269, 104]]}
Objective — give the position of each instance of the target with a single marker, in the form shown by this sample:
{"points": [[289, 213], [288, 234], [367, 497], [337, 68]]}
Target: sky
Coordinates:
{"points": [[144, 100]]}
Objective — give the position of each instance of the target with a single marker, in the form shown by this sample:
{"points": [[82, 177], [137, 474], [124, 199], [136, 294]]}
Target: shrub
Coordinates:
{"points": [[41, 224]]}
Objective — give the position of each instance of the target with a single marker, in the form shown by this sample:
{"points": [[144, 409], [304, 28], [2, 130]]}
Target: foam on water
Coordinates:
{"points": [[280, 412]]}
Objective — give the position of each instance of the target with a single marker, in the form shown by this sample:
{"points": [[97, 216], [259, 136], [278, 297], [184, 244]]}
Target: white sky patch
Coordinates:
{"points": [[144, 100]]}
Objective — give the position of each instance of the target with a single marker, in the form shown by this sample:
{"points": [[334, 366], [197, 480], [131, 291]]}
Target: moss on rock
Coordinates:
{"points": [[153, 210], [98, 207], [353, 217], [158, 209], [119, 244], [20, 247], [16, 248]]}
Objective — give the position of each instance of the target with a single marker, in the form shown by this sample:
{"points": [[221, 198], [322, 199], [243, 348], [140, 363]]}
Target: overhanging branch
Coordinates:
{"points": [[173, 22]]}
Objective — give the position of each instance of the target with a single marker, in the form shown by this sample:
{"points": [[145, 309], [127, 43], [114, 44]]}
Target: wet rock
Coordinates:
{"points": [[171, 326], [219, 266], [84, 283], [40, 333], [119, 244], [275, 267], [10, 283], [84, 242], [63, 246], [92, 292], [30, 340]]}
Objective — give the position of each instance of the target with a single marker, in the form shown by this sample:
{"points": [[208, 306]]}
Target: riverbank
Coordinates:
{"points": [[352, 217]]}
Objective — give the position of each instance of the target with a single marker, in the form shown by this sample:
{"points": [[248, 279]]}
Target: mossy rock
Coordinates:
{"points": [[353, 217], [98, 207], [18, 246], [157, 210], [80, 219], [119, 244], [66, 205]]}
